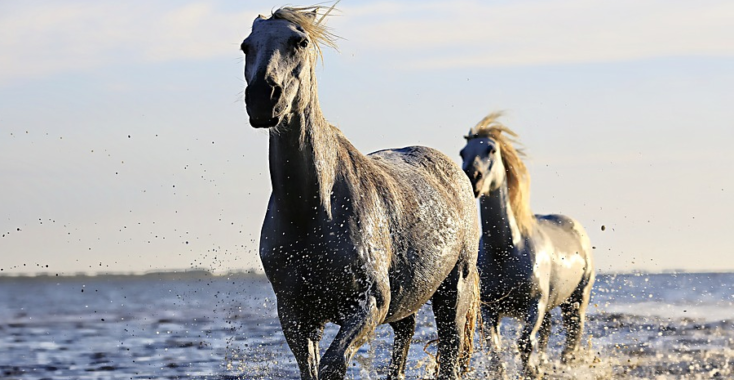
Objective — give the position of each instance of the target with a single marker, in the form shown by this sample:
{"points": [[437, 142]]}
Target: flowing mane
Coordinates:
{"points": [[518, 178], [305, 17]]}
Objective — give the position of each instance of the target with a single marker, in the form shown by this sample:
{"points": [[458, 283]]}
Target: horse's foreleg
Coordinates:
{"points": [[354, 332], [303, 338], [574, 317], [404, 330], [533, 318], [491, 328]]}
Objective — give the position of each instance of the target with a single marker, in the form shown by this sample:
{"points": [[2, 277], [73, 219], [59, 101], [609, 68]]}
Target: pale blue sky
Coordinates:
{"points": [[625, 108]]}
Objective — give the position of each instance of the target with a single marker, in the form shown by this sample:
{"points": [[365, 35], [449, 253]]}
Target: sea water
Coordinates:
{"points": [[199, 326]]}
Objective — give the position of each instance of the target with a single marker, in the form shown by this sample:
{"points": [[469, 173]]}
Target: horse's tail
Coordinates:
{"points": [[472, 317]]}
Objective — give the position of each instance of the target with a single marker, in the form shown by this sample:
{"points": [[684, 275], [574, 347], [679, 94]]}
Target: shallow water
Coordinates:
{"points": [[661, 326]]}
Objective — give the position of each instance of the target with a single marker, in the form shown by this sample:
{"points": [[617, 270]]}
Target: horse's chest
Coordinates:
{"points": [[508, 285], [313, 272], [311, 260]]}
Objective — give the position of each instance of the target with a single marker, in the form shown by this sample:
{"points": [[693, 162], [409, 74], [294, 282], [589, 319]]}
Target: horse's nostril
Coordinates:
{"points": [[478, 175]]}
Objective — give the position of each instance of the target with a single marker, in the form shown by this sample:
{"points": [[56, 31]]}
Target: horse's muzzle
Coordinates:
{"points": [[261, 99], [475, 178]]}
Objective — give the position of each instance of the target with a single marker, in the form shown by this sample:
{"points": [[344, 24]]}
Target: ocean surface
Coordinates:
{"points": [[199, 326]]}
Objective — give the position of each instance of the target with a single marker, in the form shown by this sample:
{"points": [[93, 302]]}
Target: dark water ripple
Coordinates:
{"points": [[640, 326]]}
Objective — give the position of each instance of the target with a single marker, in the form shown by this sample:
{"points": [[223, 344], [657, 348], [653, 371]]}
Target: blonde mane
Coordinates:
{"points": [[310, 19], [518, 178]]}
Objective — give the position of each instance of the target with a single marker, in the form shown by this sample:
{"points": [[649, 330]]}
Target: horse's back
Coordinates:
{"points": [[427, 172], [421, 158], [572, 260], [566, 234]]}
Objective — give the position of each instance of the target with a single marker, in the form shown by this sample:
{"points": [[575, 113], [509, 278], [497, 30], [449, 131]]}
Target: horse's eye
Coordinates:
{"points": [[299, 42], [492, 150]]}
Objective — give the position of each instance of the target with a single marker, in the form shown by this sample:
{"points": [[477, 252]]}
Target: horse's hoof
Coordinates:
{"points": [[568, 358], [543, 359], [532, 373], [497, 369], [499, 374]]}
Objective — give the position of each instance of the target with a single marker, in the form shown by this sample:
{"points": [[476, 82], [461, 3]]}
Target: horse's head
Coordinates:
{"points": [[280, 55], [490, 159], [482, 163]]}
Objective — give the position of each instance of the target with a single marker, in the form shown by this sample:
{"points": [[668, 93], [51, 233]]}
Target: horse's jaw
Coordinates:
{"points": [[279, 116], [265, 123]]}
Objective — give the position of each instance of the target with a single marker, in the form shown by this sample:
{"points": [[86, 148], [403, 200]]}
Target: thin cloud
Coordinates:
{"points": [[46, 38], [473, 34], [52, 37]]}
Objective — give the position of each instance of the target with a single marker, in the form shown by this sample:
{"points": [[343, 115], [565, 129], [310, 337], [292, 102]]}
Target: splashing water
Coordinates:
{"points": [[661, 326]]}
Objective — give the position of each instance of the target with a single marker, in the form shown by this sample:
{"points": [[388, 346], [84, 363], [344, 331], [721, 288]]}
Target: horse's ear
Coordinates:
{"points": [[311, 15], [468, 136]]}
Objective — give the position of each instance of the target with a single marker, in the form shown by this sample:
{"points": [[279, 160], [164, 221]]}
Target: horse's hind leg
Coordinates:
{"points": [[543, 336], [451, 302], [491, 321], [404, 330], [574, 317]]}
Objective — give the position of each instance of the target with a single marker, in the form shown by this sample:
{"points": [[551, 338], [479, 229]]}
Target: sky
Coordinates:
{"points": [[125, 146]]}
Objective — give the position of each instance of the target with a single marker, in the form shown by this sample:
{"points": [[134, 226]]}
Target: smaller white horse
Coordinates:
{"points": [[528, 264]]}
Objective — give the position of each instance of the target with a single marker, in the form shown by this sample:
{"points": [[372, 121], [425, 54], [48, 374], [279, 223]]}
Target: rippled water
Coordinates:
{"points": [[664, 326]]}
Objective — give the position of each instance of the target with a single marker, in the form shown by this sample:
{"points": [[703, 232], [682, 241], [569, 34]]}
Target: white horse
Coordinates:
{"points": [[357, 240], [528, 264]]}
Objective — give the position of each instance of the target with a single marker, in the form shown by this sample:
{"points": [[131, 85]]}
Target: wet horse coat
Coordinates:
{"points": [[357, 240], [528, 264]]}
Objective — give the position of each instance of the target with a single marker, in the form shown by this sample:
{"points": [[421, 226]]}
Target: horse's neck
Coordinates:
{"points": [[500, 233], [303, 163]]}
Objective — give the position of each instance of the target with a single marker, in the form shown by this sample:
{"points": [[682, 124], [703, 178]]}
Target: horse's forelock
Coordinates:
{"points": [[306, 19], [518, 178]]}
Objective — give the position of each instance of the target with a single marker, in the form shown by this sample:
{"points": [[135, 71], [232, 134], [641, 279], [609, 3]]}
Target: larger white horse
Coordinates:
{"points": [[357, 240]]}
